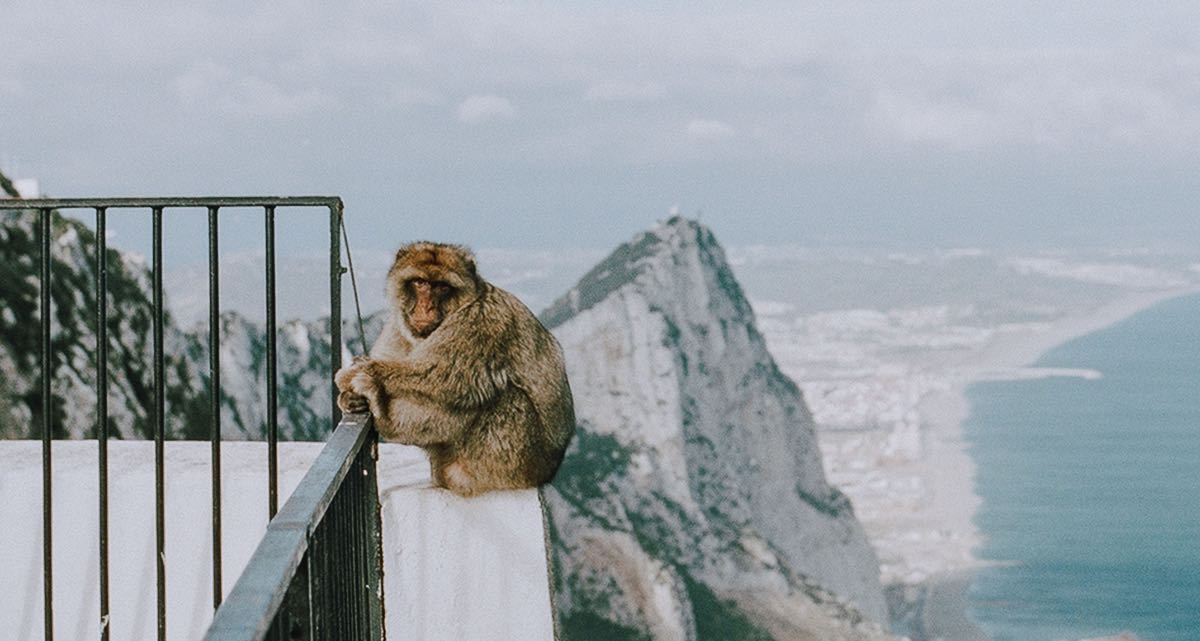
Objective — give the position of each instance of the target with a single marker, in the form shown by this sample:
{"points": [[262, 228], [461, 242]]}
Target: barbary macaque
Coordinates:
{"points": [[464, 370]]}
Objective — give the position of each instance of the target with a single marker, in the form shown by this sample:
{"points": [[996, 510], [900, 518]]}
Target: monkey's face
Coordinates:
{"points": [[429, 281], [428, 303]]}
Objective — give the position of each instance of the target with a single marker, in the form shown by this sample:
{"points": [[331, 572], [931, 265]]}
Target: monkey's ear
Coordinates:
{"points": [[468, 260], [403, 252]]}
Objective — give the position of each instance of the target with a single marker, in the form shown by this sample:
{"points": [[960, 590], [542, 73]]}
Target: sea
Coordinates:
{"points": [[1091, 488]]}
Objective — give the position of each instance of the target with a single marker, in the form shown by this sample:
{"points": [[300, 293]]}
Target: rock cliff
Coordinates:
{"points": [[693, 503]]}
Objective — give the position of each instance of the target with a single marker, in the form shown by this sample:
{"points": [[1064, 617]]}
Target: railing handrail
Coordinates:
{"points": [[250, 609], [138, 202]]}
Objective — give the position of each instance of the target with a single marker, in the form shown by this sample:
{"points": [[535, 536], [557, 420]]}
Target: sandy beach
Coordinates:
{"points": [[884, 354], [940, 609]]}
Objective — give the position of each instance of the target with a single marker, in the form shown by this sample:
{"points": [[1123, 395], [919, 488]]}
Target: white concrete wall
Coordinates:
{"points": [[455, 568]]}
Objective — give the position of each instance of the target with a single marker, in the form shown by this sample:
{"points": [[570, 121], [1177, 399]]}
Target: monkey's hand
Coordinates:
{"points": [[351, 403], [359, 386], [348, 400]]}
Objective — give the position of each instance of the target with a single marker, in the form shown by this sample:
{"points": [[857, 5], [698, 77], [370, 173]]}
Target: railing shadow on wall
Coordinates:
{"points": [[316, 574]]}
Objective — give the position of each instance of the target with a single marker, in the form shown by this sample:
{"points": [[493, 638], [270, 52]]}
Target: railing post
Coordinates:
{"points": [[102, 411], [272, 383], [47, 430], [335, 301], [214, 379], [374, 525], [160, 428]]}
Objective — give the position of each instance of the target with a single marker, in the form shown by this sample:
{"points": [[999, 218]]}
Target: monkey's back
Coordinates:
{"points": [[527, 430]]}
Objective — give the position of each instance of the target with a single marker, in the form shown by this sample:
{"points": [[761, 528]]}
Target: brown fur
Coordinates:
{"points": [[466, 371]]}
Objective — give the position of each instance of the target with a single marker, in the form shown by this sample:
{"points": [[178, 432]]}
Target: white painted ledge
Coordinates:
{"points": [[458, 568], [454, 568]]}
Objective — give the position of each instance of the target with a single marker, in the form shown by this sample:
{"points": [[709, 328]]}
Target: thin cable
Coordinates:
{"points": [[362, 333]]}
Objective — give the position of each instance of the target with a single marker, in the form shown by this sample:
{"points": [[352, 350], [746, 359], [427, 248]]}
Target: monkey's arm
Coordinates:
{"points": [[461, 382], [463, 366], [400, 415], [449, 378]]}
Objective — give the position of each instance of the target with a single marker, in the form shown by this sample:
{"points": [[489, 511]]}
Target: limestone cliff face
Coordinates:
{"points": [[693, 503], [74, 338], [303, 387]]}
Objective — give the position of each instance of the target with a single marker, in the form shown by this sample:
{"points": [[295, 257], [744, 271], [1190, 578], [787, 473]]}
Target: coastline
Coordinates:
{"points": [[941, 608]]}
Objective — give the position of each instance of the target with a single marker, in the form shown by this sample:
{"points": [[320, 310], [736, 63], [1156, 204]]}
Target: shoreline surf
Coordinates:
{"points": [[951, 471]]}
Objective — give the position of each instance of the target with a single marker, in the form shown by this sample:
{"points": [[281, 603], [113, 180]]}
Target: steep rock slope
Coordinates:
{"points": [[73, 339], [303, 394], [693, 503]]}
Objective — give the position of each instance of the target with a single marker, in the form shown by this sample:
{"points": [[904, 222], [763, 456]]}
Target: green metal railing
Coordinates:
{"points": [[317, 574]]}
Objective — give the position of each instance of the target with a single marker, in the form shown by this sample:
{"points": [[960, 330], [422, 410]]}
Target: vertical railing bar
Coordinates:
{"points": [[335, 302], [364, 550], [272, 391], [102, 409], [313, 633], [358, 561], [347, 560], [159, 429], [348, 609], [47, 433], [356, 591], [352, 601], [377, 608], [214, 377], [364, 582], [352, 562], [336, 558]]}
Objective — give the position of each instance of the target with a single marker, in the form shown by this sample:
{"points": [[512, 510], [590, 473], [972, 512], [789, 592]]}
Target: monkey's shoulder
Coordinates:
{"points": [[501, 311], [394, 342], [498, 297], [515, 329]]}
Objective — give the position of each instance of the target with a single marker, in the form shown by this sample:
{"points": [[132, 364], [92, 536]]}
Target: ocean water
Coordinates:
{"points": [[1091, 488]]}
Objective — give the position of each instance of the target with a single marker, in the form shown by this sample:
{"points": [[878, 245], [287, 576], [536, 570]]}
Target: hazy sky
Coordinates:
{"points": [[577, 124]]}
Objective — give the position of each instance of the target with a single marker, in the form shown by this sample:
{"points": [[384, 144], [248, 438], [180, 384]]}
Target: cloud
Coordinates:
{"points": [[1120, 274], [408, 95], [1060, 100], [10, 85], [197, 82], [700, 129], [625, 92], [481, 108], [210, 85], [836, 93]]}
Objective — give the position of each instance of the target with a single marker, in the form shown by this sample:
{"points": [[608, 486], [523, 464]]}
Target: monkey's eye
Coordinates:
{"points": [[441, 288]]}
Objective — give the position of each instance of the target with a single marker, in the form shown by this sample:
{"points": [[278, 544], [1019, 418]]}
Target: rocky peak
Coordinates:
{"points": [[711, 468], [647, 260]]}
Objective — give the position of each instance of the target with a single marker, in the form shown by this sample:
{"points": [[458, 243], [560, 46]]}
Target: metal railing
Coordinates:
{"points": [[317, 573], [346, 500]]}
